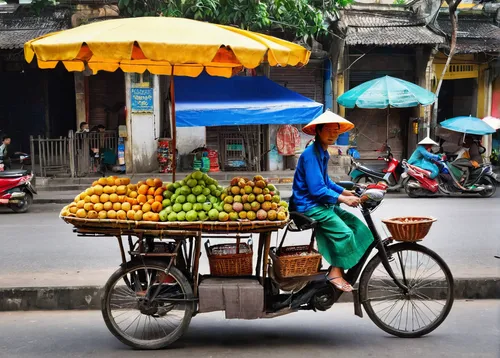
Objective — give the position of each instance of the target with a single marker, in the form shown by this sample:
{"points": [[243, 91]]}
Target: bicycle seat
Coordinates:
{"points": [[13, 173], [301, 222]]}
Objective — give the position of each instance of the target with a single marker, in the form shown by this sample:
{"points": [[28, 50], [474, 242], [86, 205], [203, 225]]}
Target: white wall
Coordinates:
{"points": [[143, 131], [190, 138]]}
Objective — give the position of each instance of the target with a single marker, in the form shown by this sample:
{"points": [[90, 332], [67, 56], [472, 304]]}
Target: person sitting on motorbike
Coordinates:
{"points": [[342, 238], [423, 158], [469, 156]]}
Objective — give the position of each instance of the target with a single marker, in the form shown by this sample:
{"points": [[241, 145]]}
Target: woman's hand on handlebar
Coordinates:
{"points": [[349, 193], [352, 201]]}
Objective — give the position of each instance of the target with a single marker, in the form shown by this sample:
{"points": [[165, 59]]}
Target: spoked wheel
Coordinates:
{"points": [[428, 302], [144, 308]]}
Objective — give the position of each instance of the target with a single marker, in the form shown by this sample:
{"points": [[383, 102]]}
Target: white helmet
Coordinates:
{"points": [[427, 141]]}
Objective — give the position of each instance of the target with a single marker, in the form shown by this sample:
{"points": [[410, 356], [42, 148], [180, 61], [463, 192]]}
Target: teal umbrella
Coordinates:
{"points": [[468, 125], [386, 92]]}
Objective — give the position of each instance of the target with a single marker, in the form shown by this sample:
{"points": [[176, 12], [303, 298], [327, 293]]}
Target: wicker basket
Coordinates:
{"points": [[230, 259], [293, 261], [409, 228]]}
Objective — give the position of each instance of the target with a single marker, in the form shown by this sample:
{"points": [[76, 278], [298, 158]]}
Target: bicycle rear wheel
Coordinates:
{"points": [[424, 307], [145, 308]]}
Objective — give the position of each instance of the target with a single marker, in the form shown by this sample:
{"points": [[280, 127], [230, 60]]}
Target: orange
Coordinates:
{"points": [[159, 191], [98, 207], [125, 181], [159, 198], [122, 198], [113, 189], [98, 189], [113, 198], [132, 187], [135, 202], [151, 201], [102, 181], [107, 190], [131, 215], [138, 215], [121, 215], [121, 190], [73, 210], [156, 207], [136, 207], [142, 199], [147, 217], [126, 206], [158, 183], [132, 194], [104, 198], [111, 214], [88, 206], [77, 198], [140, 183], [130, 200], [155, 217], [117, 206], [151, 191], [81, 213], [94, 199], [102, 215], [108, 206], [95, 183], [111, 181], [87, 199], [80, 204], [92, 214], [143, 189], [146, 208], [150, 182]]}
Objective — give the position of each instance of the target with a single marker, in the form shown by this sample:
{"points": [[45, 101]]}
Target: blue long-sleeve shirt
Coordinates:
{"points": [[312, 186]]}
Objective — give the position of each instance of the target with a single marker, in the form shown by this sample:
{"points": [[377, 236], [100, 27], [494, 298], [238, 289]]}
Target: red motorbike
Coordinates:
{"points": [[16, 190]]}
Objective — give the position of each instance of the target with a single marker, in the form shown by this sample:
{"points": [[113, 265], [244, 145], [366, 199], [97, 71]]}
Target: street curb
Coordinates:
{"points": [[89, 297]]}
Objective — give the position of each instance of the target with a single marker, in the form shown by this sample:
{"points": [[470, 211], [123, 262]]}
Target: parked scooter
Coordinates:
{"points": [[417, 181], [16, 190], [360, 173]]}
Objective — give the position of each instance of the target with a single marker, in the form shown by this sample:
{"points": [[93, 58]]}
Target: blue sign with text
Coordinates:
{"points": [[142, 99]]}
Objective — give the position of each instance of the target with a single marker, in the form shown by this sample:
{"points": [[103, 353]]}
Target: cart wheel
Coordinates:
{"points": [[426, 305], [135, 306]]}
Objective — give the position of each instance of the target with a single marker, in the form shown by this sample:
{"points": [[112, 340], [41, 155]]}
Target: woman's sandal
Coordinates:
{"points": [[346, 287]]}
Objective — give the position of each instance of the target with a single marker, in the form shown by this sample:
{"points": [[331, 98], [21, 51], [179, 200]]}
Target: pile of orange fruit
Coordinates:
{"points": [[117, 198]]}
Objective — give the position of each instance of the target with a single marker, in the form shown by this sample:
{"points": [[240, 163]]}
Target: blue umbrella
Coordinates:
{"points": [[386, 92], [468, 125]]}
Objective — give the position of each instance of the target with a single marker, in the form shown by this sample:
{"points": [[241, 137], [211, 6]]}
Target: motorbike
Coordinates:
{"points": [[417, 181], [360, 173], [16, 190]]}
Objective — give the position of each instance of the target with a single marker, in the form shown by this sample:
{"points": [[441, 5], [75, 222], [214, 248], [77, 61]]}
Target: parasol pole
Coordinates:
{"points": [[174, 128], [387, 126]]}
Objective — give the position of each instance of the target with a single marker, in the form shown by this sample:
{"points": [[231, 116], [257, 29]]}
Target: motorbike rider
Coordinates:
{"points": [[423, 158], [342, 238], [4, 156], [469, 156]]}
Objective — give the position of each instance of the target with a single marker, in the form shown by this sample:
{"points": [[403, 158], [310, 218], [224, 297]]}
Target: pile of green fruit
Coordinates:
{"points": [[200, 198], [195, 198], [253, 200]]}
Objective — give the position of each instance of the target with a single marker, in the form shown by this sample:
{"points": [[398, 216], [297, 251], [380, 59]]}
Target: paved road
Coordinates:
{"points": [[471, 330], [42, 251]]}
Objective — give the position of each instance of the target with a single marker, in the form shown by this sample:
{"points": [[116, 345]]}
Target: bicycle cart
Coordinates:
{"points": [[405, 288]]}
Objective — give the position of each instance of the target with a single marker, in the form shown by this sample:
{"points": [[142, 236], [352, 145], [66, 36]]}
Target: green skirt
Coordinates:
{"points": [[342, 238]]}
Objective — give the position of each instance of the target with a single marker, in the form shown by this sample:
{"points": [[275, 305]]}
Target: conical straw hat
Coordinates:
{"points": [[328, 117], [427, 141]]}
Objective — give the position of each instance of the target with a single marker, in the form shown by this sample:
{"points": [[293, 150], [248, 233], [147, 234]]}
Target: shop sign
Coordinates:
{"points": [[142, 100]]}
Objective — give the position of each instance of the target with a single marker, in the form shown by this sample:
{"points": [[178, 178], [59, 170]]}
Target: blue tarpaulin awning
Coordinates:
{"points": [[215, 101]]}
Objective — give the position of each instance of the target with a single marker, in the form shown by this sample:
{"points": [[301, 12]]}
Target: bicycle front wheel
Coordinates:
{"points": [[424, 307]]}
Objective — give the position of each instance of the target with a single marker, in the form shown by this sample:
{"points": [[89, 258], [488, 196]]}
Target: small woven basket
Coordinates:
{"points": [[409, 228], [293, 261], [230, 259]]}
